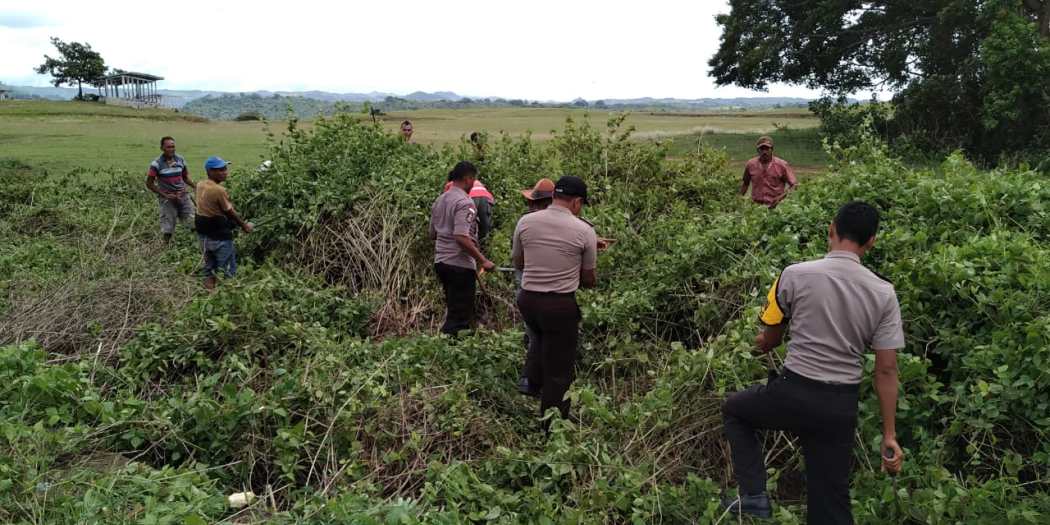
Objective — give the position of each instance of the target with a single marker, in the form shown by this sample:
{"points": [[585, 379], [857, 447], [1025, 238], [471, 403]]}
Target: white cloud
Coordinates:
{"points": [[542, 49]]}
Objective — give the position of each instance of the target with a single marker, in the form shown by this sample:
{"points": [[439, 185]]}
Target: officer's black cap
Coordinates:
{"points": [[569, 186]]}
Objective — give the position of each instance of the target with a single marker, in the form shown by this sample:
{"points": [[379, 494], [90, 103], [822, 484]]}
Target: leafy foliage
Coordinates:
{"points": [[964, 72], [78, 63], [286, 383]]}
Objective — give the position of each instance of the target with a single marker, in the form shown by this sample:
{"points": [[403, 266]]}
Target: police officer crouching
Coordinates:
{"points": [[557, 252], [836, 308]]}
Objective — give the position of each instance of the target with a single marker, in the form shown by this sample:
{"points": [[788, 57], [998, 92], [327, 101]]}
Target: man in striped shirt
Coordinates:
{"points": [[168, 177]]}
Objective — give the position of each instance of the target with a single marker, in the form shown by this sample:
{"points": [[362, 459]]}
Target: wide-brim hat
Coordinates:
{"points": [[543, 189]]}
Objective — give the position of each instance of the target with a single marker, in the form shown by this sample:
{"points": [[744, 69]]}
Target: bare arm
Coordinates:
{"points": [[186, 177], [468, 246], [151, 185], [746, 182], [886, 384], [789, 176], [588, 278], [769, 338], [233, 216]]}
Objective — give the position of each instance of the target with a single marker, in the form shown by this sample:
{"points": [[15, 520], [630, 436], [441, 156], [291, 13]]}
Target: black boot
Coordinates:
{"points": [[757, 505], [526, 388]]}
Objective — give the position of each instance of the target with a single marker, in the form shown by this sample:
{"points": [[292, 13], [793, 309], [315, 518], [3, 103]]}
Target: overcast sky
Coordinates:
{"points": [[541, 49]]}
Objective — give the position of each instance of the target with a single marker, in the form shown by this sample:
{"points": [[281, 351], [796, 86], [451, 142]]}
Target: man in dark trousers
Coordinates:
{"points": [[836, 309], [557, 252], [538, 198], [454, 229]]}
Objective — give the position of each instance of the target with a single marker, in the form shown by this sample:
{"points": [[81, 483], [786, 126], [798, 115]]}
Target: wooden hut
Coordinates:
{"points": [[129, 88]]}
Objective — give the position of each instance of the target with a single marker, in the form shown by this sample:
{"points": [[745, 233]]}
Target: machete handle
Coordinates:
{"points": [[889, 454]]}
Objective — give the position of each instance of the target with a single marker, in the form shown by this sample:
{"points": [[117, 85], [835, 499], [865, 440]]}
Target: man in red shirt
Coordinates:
{"points": [[767, 175]]}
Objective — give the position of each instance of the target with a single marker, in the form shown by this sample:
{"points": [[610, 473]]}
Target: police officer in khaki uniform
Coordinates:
{"points": [[457, 255], [557, 253], [836, 309]]}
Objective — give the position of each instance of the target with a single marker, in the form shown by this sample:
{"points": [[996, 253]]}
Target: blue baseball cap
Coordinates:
{"points": [[215, 163]]}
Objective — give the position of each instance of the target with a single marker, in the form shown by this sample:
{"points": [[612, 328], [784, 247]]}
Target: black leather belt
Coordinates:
{"points": [[819, 385], [550, 294]]}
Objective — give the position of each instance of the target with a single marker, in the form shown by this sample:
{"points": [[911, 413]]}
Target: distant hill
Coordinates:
{"points": [[272, 107], [433, 97], [308, 104], [710, 103]]}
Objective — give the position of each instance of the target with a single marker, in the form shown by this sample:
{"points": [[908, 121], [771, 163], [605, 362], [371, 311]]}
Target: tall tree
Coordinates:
{"points": [[943, 58], [77, 63], [1041, 11]]}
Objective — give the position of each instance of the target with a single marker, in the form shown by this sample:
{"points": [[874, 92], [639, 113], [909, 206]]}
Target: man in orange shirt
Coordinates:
{"points": [[767, 175]]}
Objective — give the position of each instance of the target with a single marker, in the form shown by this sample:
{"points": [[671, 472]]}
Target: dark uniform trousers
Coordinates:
{"points": [[554, 320], [532, 346], [460, 285], [822, 415]]}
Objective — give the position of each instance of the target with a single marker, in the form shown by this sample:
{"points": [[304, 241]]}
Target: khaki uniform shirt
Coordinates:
{"points": [[555, 246], [453, 214], [836, 308]]}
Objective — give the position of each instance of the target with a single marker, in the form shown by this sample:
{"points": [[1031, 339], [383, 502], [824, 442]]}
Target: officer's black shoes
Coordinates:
{"points": [[757, 505], [527, 389]]}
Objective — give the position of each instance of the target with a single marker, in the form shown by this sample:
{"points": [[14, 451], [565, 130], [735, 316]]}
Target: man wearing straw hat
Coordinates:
{"points": [[539, 197]]}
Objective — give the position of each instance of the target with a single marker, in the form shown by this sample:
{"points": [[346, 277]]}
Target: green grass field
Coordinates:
{"points": [[61, 136], [66, 135], [448, 125]]}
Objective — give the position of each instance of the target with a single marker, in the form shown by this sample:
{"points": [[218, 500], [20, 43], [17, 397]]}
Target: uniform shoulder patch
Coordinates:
{"points": [[772, 315], [880, 276]]}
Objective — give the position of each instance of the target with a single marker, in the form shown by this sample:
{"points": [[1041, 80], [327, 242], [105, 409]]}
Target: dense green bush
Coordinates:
{"points": [[311, 379]]}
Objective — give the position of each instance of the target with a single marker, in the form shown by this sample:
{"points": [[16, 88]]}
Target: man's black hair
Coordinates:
{"points": [[166, 138], [857, 221], [475, 137], [463, 169], [409, 122]]}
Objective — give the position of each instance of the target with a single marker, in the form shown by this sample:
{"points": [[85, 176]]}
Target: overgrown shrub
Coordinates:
{"points": [[288, 382]]}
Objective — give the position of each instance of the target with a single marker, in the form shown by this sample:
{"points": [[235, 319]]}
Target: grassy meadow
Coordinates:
{"points": [[59, 136]]}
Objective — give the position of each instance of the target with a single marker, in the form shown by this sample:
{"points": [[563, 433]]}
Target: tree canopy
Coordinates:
{"points": [[77, 63], [845, 46], [961, 69]]}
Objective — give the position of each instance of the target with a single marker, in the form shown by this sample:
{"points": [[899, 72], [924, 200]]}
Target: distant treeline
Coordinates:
{"points": [[252, 105]]}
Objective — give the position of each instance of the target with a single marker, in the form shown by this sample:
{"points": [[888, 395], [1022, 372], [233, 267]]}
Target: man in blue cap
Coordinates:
{"points": [[215, 221]]}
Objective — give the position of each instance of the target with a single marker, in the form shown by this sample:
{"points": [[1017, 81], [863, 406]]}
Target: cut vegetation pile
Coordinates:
{"points": [[312, 379]]}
